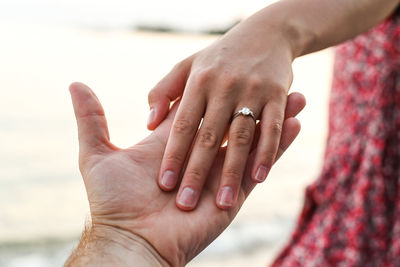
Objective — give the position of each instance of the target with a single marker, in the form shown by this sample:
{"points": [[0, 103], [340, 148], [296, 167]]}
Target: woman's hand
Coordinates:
{"points": [[132, 219], [250, 67]]}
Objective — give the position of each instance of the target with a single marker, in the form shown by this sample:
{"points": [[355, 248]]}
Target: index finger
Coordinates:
{"points": [[184, 128]]}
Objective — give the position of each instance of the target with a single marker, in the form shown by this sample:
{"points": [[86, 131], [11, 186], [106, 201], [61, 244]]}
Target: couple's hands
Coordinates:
{"points": [[250, 66], [131, 217]]}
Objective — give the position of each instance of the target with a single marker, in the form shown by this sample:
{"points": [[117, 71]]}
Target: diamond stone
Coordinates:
{"points": [[246, 111]]}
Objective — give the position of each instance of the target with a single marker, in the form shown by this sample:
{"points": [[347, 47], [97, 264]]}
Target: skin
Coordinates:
{"points": [[249, 66], [132, 220]]}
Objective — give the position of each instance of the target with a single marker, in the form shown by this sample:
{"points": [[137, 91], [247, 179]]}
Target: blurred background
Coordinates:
{"points": [[121, 48]]}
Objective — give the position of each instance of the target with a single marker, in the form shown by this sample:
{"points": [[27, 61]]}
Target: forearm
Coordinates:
{"points": [[107, 246], [326, 22], [312, 25]]}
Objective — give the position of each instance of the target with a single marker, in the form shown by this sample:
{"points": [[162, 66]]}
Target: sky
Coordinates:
{"points": [[179, 14]]}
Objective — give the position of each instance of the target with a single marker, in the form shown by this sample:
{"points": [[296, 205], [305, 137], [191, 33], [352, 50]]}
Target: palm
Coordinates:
{"points": [[123, 192], [122, 184]]}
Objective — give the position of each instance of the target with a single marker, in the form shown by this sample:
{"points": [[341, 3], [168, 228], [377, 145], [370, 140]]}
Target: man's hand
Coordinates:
{"points": [[132, 219]]}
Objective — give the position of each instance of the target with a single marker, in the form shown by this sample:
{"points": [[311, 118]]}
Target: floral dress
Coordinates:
{"points": [[351, 215]]}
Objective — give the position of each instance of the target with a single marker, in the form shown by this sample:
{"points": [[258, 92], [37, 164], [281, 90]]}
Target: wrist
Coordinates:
{"points": [[282, 20], [105, 245]]}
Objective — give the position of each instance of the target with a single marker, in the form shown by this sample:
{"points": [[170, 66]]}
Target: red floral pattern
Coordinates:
{"points": [[351, 215]]}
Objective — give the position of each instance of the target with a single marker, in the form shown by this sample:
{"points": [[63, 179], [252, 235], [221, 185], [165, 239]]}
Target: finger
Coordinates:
{"points": [[92, 124], [202, 155], [184, 128], [290, 130], [240, 139], [295, 103], [167, 90], [157, 140], [163, 130], [271, 129]]}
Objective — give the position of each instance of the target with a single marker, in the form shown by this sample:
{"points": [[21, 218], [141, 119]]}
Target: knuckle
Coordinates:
{"points": [[153, 95], [281, 96], [277, 86], [229, 81], [276, 127], [208, 138], [195, 176], [232, 174], [203, 76], [174, 158], [241, 136], [255, 83], [278, 90], [179, 66], [184, 126], [269, 158]]}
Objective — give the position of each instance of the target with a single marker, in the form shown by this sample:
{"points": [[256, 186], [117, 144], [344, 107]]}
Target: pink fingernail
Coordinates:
{"points": [[169, 179], [152, 116], [226, 196], [187, 197], [261, 174]]}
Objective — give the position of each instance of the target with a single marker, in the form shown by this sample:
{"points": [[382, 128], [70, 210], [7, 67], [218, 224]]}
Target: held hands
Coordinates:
{"points": [[248, 67], [128, 209]]}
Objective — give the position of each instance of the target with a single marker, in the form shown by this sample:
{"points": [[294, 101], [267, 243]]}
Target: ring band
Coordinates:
{"points": [[244, 111]]}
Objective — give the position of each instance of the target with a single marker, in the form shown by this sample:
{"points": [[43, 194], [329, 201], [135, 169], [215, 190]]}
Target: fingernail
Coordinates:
{"points": [[152, 116], [226, 197], [169, 179], [261, 173], [187, 198]]}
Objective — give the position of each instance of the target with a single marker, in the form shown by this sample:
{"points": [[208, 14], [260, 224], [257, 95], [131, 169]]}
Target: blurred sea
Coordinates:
{"points": [[46, 45]]}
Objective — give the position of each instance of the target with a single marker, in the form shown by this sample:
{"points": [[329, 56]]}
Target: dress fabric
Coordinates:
{"points": [[351, 215]]}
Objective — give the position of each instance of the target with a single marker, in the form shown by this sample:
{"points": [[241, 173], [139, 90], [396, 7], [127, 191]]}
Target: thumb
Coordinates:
{"points": [[166, 91], [92, 125]]}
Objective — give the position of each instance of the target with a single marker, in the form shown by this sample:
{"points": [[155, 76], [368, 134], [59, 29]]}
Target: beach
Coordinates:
{"points": [[43, 202]]}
